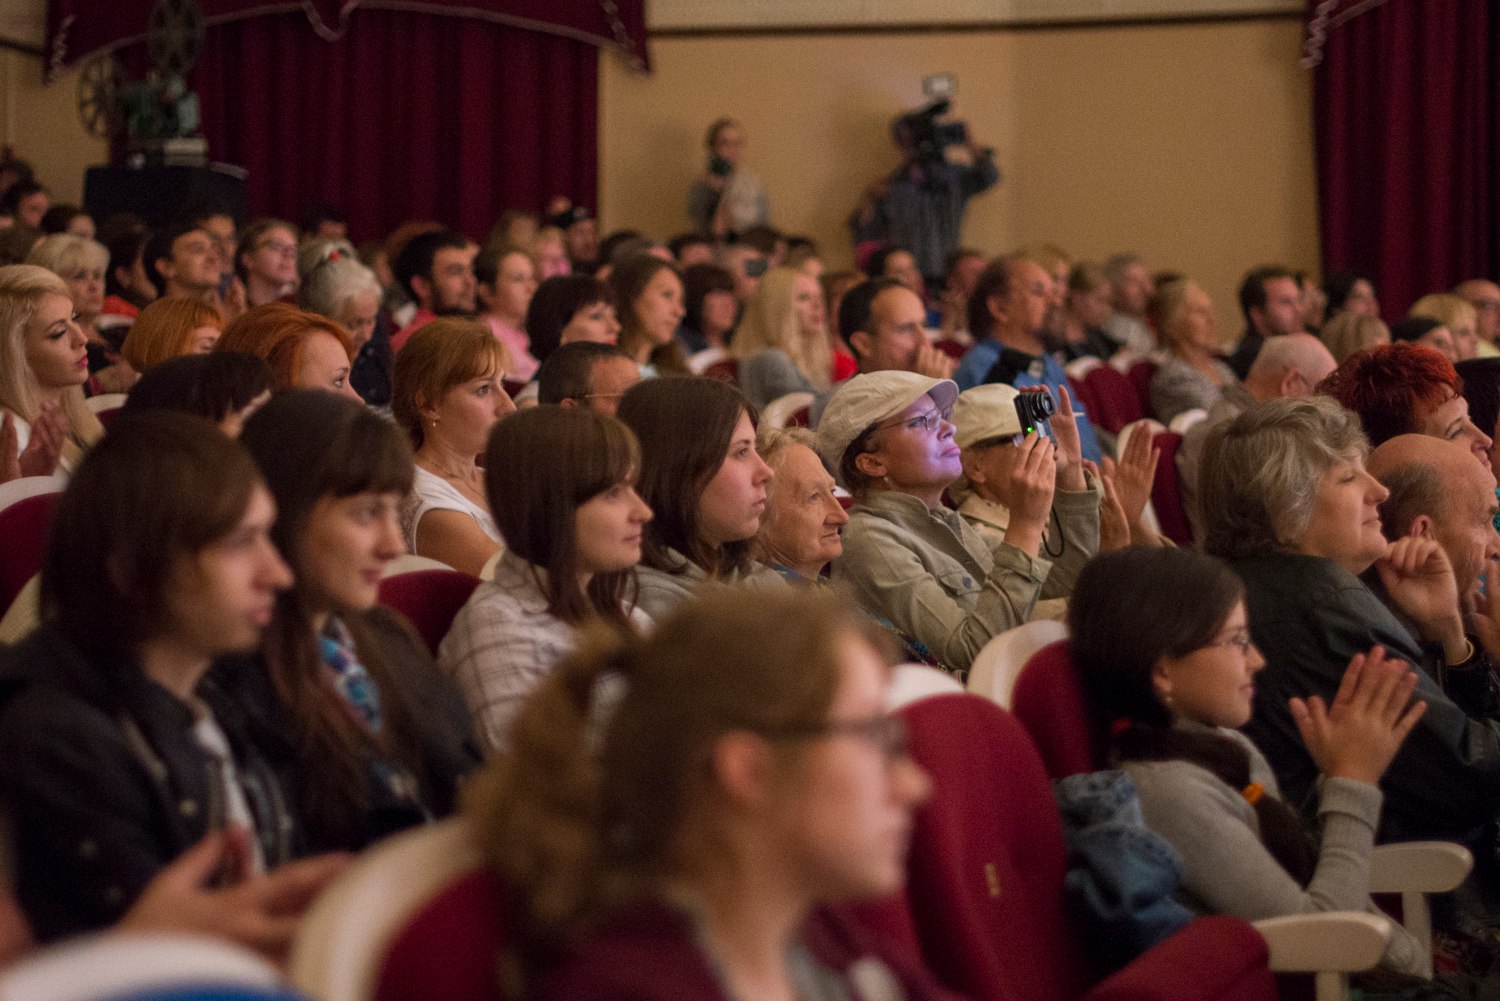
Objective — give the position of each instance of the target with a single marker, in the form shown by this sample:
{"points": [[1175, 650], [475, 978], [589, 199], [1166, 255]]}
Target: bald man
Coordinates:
{"points": [[1287, 365], [1484, 296], [1438, 492]]}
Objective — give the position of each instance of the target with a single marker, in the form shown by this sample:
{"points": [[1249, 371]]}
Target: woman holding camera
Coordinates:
{"points": [[910, 559]]}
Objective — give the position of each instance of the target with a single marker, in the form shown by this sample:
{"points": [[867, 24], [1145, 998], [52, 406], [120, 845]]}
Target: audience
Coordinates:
{"points": [[587, 374], [367, 736], [648, 296], [570, 308], [1349, 292], [448, 393], [1406, 389], [81, 263], [266, 261], [435, 268], [908, 558], [801, 530], [709, 308], [333, 283], [705, 484], [1481, 389], [573, 538], [43, 366], [506, 280], [1192, 374], [713, 815], [171, 327], [726, 198], [1289, 504], [1484, 296], [1086, 308], [222, 387], [1160, 641], [1426, 331], [117, 755], [1454, 313], [1271, 302], [782, 343], [1349, 332], [304, 350], [128, 284], [1133, 288]]}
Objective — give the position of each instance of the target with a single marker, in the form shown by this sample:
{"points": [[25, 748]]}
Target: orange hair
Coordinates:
{"points": [[165, 328], [278, 332]]}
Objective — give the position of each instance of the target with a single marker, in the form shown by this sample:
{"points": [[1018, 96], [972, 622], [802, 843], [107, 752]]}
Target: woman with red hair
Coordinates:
{"points": [[304, 350], [1406, 388]]}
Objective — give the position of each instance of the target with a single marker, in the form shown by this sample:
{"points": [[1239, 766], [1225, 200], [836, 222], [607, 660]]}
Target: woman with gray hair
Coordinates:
{"points": [[801, 531], [335, 284], [1288, 503]]}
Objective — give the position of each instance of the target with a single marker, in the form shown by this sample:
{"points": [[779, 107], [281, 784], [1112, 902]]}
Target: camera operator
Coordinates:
{"points": [[920, 205], [727, 198]]}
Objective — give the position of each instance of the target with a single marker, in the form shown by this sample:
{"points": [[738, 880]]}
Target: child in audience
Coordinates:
{"points": [[910, 559], [648, 295], [573, 532], [43, 366], [367, 733], [448, 393], [1162, 646], [507, 280], [704, 482], [782, 343], [696, 841]]}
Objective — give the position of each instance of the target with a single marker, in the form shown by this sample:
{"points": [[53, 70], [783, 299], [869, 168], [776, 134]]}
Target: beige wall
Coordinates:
{"points": [[1191, 144], [42, 123]]}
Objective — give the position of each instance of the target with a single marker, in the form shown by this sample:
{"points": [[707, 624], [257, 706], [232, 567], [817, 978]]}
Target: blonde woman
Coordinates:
{"points": [[782, 343], [81, 263], [1193, 373], [1348, 332], [169, 328], [1455, 313], [43, 366]]}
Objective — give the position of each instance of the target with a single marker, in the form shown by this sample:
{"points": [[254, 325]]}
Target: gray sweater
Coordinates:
{"points": [[1226, 868], [660, 591]]}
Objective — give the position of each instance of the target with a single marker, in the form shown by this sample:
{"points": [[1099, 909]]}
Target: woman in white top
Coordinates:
{"points": [[43, 366], [573, 530], [447, 394]]}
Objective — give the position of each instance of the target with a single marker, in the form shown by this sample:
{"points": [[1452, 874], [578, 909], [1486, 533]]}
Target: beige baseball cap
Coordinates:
{"points": [[870, 398], [986, 412]]}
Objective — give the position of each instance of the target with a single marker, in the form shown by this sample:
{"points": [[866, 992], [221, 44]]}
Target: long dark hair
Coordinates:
{"points": [[312, 445], [1129, 609], [539, 467], [684, 426]]}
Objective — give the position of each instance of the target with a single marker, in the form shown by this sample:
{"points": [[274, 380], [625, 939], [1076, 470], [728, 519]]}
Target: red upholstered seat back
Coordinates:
{"points": [[24, 527], [1166, 493], [987, 864], [451, 947], [725, 370], [1049, 703], [1114, 400], [429, 598], [1140, 376]]}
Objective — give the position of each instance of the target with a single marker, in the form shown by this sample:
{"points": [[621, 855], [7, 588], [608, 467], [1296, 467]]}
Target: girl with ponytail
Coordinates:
{"points": [[1161, 645], [689, 840]]}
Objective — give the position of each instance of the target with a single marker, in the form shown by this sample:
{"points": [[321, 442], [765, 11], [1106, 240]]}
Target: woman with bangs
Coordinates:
{"points": [[304, 350], [366, 732], [448, 393], [43, 366], [81, 262], [782, 343], [169, 328], [573, 531]]}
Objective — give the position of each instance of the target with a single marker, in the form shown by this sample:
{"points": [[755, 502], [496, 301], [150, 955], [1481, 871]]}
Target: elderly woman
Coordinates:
{"points": [[1193, 374], [801, 529], [911, 560], [336, 285], [1349, 332], [1405, 388], [1289, 504]]}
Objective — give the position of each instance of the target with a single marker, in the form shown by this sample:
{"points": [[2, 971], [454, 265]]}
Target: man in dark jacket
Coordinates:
{"points": [[112, 760]]}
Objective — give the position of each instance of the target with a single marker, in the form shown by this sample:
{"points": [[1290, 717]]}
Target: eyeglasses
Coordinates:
{"points": [[1239, 638], [284, 249], [886, 732], [927, 422]]}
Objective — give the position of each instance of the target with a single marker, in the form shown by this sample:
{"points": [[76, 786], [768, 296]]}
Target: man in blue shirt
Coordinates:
{"points": [[1006, 317]]}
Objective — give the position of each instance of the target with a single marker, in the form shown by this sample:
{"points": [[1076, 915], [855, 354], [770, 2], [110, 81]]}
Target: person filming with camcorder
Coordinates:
{"points": [[920, 205]]}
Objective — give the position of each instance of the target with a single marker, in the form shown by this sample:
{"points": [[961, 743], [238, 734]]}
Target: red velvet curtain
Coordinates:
{"points": [[408, 116], [1408, 141]]}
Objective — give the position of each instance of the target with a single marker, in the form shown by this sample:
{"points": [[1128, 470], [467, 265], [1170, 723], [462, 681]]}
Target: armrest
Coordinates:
{"points": [[1336, 941], [1419, 867]]}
